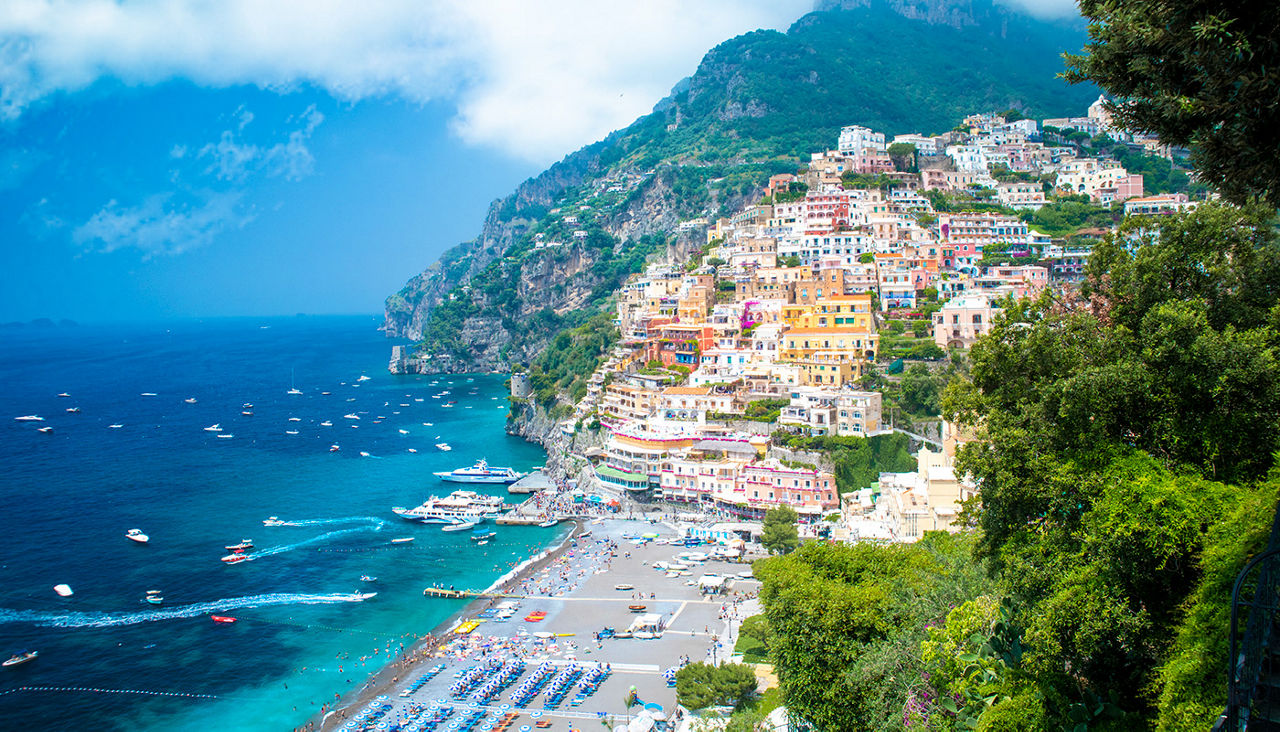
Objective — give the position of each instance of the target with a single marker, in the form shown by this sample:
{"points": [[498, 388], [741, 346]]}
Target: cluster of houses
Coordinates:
{"points": [[778, 324]]}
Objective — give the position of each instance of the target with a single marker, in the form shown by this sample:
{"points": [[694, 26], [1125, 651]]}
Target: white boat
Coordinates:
{"points": [[368, 578], [154, 597], [213, 428], [481, 472], [63, 590], [457, 507], [18, 659], [235, 558], [463, 526], [46, 430], [364, 454], [549, 523], [334, 447], [326, 423], [353, 415], [291, 432], [404, 432], [138, 536], [273, 521], [294, 391], [363, 378], [403, 540], [64, 395], [225, 437], [114, 426], [73, 410], [443, 446], [190, 400], [244, 544], [295, 419], [147, 394], [247, 413], [412, 450], [28, 418]]}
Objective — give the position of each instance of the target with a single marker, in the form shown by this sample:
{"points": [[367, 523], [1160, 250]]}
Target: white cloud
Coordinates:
{"points": [[1044, 9], [234, 160], [532, 79], [160, 225]]}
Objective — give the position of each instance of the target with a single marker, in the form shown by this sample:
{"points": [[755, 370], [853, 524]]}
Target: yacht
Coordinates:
{"points": [[138, 536], [190, 400], [326, 423], [353, 415], [294, 391], [455, 508], [28, 418], [363, 378], [481, 472], [213, 428]]}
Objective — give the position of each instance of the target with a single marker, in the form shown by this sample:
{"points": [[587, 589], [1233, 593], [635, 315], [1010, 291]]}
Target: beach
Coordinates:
{"points": [[598, 578]]}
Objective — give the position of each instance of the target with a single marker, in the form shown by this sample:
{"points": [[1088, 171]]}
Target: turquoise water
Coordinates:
{"points": [[70, 496]]}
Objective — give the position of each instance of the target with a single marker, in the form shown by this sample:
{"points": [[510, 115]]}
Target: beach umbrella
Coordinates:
{"points": [[536, 715], [525, 728]]}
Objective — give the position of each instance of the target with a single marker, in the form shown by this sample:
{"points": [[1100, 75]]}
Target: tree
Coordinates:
{"points": [[791, 261], [921, 390], [780, 535], [701, 685], [903, 155], [1199, 73]]}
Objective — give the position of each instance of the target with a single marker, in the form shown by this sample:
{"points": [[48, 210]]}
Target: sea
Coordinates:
{"points": [[137, 455]]}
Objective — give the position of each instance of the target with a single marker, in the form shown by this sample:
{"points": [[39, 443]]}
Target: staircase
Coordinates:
{"points": [[1253, 679]]}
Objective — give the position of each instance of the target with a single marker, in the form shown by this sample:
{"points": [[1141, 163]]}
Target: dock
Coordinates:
{"points": [[532, 483]]}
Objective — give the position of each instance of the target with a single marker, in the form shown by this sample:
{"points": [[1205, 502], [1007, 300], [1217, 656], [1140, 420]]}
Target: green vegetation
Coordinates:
{"points": [[701, 685], [765, 410], [563, 367], [858, 461], [1069, 214], [1196, 73], [780, 535], [846, 623], [753, 640]]}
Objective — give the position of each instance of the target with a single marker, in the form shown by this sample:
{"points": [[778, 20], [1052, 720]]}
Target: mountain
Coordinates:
{"points": [[757, 105]]}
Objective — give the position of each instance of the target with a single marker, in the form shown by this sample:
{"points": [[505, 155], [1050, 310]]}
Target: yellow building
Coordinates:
{"points": [[855, 346], [840, 311], [829, 368]]}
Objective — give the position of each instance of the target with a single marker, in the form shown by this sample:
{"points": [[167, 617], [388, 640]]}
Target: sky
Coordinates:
{"points": [[167, 158]]}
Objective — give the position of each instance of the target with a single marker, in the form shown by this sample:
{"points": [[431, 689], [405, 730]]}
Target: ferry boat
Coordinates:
{"points": [[455, 508], [481, 472], [18, 659]]}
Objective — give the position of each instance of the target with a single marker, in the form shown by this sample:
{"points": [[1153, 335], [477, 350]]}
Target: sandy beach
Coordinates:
{"points": [[575, 589]]}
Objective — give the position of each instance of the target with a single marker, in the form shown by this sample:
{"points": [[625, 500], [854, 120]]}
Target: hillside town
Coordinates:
{"points": [[779, 322]]}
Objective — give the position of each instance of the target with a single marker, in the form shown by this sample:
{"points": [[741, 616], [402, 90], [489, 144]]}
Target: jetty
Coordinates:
{"points": [[466, 594], [532, 483]]}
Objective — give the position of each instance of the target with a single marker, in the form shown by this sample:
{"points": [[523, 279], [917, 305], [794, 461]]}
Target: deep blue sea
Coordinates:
{"points": [[67, 499]]}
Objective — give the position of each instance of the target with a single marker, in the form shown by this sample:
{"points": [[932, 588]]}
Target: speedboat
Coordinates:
{"points": [[18, 659], [549, 523], [247, 413], [364, 454], [295, 419], [114, 426], [213, 428], [224, 619], [481, 472], [483, 535], [225, 437], [402, 540], [295, 390], [138, 536], [244, 544], [326, 423], [147, 394], [63, 590], [190, 400], [463, 526], [334, 448], [273, 521], [236, 558], [367, 578], [443, 446], [28, 418], [363, 378], [353, 415], [404, 432], [247, 405], [291, 432], [73, 410], [64, 395], [45, 430]]}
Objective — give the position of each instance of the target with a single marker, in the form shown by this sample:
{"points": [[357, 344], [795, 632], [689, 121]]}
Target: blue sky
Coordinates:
{"points": [[161, 158]]}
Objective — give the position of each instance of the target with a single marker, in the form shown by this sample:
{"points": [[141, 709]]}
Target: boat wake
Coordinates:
{"points": [[53, 619], [374, 525], [332, 521]]}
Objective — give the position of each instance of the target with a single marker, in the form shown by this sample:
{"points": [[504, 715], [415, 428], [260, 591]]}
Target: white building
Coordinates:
{"points": [[855, 138]]}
